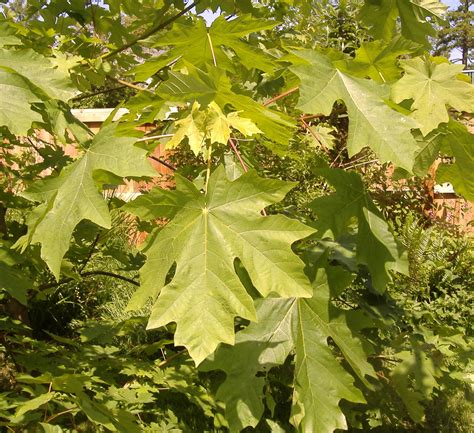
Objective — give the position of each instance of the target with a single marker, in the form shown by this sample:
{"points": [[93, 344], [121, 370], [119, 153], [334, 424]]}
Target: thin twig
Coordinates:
{"points": [[89, 274], [100, 92], [171, 358], [348, 166], [110, 274], [308, 128], [91, 252], [155, 137], [237, 154], [163, 162], [59, 414], [127, 84], [149, 32], [280, 96]]}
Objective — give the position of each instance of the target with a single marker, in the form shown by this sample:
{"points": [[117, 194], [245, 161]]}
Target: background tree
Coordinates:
{"points": [[458, 34]]}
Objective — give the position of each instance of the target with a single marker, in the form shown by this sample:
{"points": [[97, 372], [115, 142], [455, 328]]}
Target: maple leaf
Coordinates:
{"points": [[371, 122], [321, 382], [27, 77], [74, 196], [204, 239], [379, 60], [199, 45], [213, 85], [376, 246], [211, 123], [432, 85], [416, 18]]}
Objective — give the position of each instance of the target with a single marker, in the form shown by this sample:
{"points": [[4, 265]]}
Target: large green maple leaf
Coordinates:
{"points": [[200, 45], [74, 195], [375, 245], [27, 77], [433, 86], [302, 325], [371, 122], [204, 239]]}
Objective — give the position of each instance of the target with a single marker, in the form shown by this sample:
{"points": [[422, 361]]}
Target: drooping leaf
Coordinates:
{"points": [[322, 136], [117, 420], [371, 122], [74, 196], [376, 246], [26, 78], [459, 143], [34, 403], [304, 325], [433, 86], [204, 239], [416, 17]]}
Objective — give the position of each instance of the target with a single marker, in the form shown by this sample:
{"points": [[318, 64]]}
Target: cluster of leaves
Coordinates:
{"points": [[280, 315]]}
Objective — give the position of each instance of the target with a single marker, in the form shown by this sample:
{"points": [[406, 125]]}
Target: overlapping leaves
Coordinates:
{"points": [[375, 245], [302, 325], [204, 239], [371, 122]]}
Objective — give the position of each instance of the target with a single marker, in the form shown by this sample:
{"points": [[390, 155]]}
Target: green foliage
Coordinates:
{"points": [[267, 261]]}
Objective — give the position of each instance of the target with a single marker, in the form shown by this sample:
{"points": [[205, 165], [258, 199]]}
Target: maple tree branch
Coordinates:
{"points": [[110, 274], [308, 128], [100, 92], [90, 274], [163, 162], [281, 96], [165, 362], [127, 84], [150, 32], [237, 153], [91, 251]]}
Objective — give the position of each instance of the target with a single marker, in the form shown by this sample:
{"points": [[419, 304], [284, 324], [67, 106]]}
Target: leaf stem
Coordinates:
{"points": [[237, 154], [281, 96], [308, 128], [212, 49], [163, 162], [127, 84], [59, 414], [208, 169]]}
